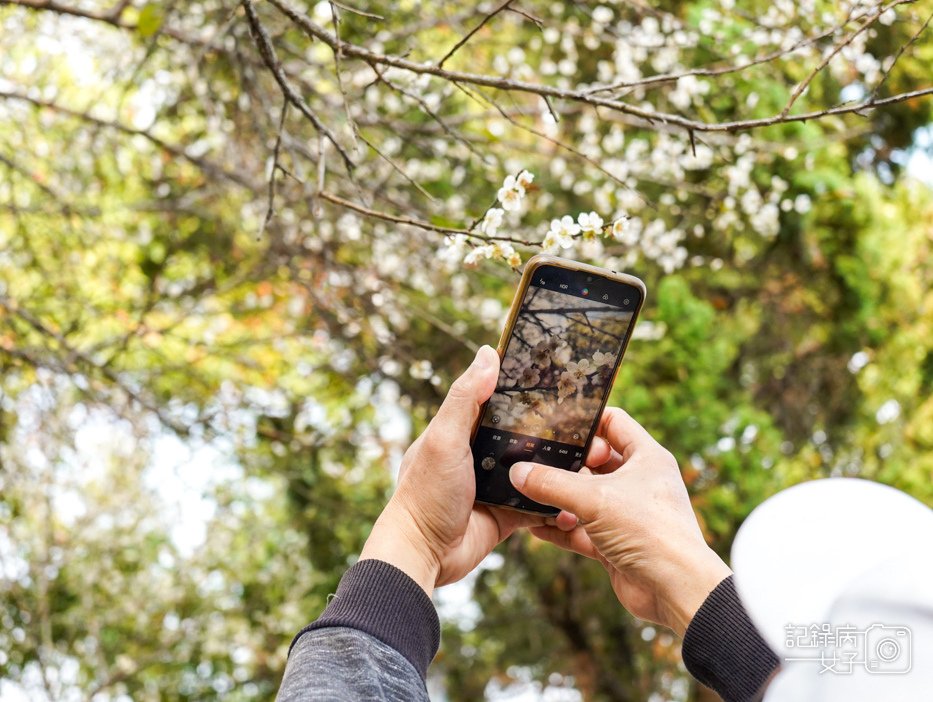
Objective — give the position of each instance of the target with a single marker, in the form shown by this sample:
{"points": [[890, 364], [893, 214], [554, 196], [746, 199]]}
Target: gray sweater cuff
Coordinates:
{"points": [[381, 600], [723, 650]]}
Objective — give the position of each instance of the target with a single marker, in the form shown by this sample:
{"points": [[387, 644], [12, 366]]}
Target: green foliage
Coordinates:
{"points": [[134, 287]]}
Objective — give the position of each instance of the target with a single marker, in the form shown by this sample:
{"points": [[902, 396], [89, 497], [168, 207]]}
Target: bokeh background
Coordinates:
{"points": [[241, 261]]}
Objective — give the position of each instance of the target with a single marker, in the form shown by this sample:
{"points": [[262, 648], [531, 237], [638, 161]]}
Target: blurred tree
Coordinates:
{"points": [[285, 244]]}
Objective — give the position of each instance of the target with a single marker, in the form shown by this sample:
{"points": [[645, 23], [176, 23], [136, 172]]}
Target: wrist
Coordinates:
{"points": [[695, 574], [395, 540]]}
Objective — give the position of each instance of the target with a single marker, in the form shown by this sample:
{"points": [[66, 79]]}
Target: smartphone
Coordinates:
{"points": [[561, 348]]}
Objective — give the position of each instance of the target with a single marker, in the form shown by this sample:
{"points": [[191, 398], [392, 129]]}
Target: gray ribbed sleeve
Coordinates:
{"points": [[723, 650], [382, 601]]}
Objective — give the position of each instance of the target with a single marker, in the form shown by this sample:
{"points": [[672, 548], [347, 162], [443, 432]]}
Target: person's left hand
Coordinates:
{"points": [[431, 529]]}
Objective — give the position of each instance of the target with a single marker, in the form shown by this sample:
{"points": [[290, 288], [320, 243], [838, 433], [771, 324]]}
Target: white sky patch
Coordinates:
{"points": [[184, 478], [455, 602], [888, 412], [919, 157], [858, 361]]}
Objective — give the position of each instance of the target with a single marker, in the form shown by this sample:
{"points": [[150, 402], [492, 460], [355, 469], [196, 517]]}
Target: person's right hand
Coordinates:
{"points": [[632, 514]]}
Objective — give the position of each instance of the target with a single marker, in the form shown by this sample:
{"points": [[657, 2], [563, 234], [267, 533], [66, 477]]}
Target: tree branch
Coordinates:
{"points": [[473, 31], [647, 115], [268, 55], [177, 151], [420, 224], [270, 210]]}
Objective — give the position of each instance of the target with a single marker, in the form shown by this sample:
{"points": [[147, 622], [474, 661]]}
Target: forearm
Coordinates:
{"points": [[379, 632]]}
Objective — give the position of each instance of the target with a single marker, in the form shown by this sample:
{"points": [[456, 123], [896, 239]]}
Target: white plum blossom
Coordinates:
{"points": [[623, 232], [687, 88], [561, 233], [566, 386], [511, 193], [492, 221], [602, 359], [500, 251], [590, 223], [506, 252], [579, 370], [453, 251], [477, 254], [525, 179]]}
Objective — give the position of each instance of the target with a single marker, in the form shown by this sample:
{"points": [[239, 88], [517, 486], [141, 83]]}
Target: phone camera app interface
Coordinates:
{"points": [[556, 370]]}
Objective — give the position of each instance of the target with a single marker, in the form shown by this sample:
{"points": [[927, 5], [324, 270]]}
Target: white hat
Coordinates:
{"points": [[837, 575]]}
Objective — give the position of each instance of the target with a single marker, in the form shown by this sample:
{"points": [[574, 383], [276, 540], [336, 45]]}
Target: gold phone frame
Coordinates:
{"points": [[534, 263]]}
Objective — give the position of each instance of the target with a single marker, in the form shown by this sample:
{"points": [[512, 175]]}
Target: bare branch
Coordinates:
{"points": [[77, 357], [356, 11], [268, 55], [420, 224], [337, 55], [900, 52], [715, 71], [647, 115], [798, 91], [502, 6], [177, 151], [270, 210], [113, 17]]}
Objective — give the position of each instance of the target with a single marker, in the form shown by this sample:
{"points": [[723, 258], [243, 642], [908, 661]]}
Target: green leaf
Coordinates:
{"points": [[150, 19]]}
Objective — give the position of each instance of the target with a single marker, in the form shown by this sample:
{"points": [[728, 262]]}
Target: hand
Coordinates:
{"points": [[431, 528], [630, 511]]}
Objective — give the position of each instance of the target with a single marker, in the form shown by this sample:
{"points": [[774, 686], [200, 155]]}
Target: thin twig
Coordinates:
{"points": [[76, 355], [715, 71], [508, 84], [418, 223], [431, 113], [900, 52], [356, 11], [177, 151], [111, 18], [465, 39], [550, 108], [398, 169], [798, 91], [270, 210], [338, 53], [537, 21], [268, 55]]}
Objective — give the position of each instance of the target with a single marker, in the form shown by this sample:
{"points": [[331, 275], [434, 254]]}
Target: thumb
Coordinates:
{"points": [[569, 491], [460, 408]]}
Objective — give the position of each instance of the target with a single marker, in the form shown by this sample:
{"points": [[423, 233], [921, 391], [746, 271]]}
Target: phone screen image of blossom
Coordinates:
{"points": [[556, 371]]}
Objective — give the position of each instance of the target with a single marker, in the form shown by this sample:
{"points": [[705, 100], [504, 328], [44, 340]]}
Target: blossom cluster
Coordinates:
{"points": [[578, 373]]}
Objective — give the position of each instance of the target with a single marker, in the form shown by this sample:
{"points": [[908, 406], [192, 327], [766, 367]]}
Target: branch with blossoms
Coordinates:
{"points": [[561, 234], [410, 108], [650, 116]]}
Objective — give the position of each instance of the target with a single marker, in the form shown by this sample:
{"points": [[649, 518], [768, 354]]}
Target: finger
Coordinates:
{"points": [[460, 409], [509, 520], [567, 490], [622, 432], [599, 452], [613, 462], [577, 540], [488, 526], [565, 521]]}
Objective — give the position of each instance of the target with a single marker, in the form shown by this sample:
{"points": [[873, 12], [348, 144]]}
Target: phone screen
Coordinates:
{"points": [[557, 369]]}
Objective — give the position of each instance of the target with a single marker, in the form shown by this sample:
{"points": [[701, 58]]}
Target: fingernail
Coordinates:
{"points": [[483, 360], [518, 474]]}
